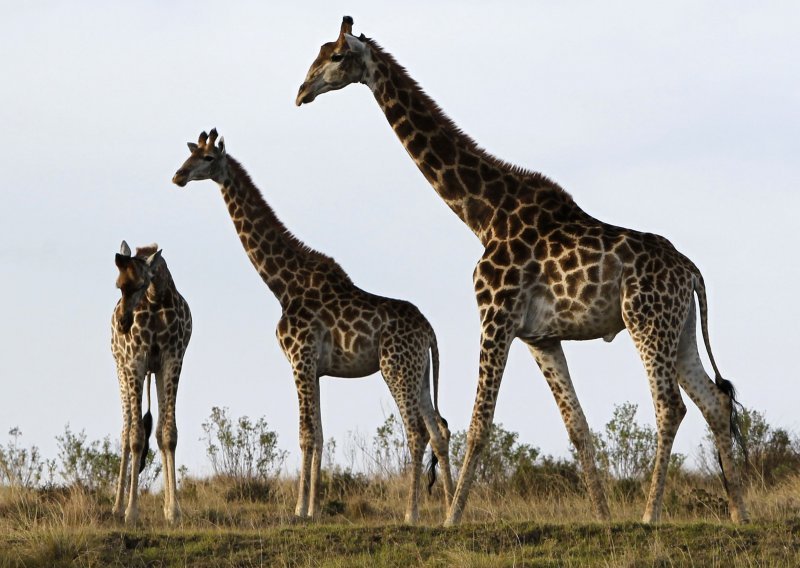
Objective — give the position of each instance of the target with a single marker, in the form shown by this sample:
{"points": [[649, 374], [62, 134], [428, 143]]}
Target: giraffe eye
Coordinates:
{"points": [[337, 56], [208, 158]]}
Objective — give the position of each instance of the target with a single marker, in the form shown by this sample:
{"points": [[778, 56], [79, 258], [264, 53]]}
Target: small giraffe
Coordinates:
{"points": [[550, 272], [150, 330], [331, 327]]}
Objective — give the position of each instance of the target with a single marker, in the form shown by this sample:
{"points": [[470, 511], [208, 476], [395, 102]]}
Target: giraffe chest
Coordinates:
{"points": [[153, 338]]}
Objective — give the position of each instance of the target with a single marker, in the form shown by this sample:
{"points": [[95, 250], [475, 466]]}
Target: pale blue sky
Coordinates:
{"points": [[680, 119]]}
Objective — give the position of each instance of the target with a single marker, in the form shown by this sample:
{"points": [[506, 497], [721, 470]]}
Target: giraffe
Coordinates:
{"points": [[549, 273], [150, 330], [331, 327]]}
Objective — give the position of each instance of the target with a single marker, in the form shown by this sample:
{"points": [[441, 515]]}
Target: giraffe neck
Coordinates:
{"points": [[278, 256], [473, 183]]}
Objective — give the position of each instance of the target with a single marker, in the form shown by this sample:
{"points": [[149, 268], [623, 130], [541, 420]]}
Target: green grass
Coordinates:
{"points": [[492, 544]]}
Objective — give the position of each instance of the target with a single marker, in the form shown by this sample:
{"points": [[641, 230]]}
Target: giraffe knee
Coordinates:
{"points": [[168, 439], [478, 436], [136, 440]]}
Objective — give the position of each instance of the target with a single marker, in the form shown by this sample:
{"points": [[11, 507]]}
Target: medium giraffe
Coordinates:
{"points": [[331, 327], [150, 330], [550, 272]]}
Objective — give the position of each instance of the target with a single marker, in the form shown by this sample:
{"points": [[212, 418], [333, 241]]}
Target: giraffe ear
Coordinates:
{"points": [[221, 145], [122, 261], [124, 249], [153, 258], [354, 44], [192, 146]]}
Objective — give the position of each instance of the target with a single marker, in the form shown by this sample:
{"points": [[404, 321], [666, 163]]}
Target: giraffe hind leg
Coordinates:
{"points": [[401, 374], [551, 360], [657, 345], [715, 405], [167, 436]]}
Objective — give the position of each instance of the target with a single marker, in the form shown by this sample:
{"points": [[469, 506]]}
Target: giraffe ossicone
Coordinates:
{"points": [[150, 330], [331, 327], [550, 272]]}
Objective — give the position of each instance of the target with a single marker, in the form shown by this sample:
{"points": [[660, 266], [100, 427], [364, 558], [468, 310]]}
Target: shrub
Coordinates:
{"points": [[21, 467], [626, 449], [502, 457], [94, 465], [773, 453], [244, 452], [390, 447]]}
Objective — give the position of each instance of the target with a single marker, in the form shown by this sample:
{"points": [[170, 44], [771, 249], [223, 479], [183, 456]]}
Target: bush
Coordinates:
{"points": [[21, 467], [773, 453], [94, 465], [626, 450], [502, 458], [390, 445], [245, 453]]}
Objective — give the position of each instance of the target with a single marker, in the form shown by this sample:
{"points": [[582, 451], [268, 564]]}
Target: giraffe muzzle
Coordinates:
{"points": [[303, 95], [180, 178]]}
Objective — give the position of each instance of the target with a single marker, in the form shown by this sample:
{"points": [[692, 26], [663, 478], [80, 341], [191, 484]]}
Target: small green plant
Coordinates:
{"points": [[22, 467], [390, 447]]}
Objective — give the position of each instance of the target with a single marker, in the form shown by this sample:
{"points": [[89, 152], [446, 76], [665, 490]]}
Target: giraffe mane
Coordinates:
{"points": [[535, 178], [243, 177]]}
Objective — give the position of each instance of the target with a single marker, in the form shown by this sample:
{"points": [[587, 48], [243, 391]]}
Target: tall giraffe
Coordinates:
{"points": [[550, 272], [331, 327], [150, 330]]}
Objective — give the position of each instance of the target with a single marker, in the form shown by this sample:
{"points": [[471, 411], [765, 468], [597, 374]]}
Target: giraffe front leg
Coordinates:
{"points": [[308, 399], [316, 458], [551, 360], [118, 509], [495, 343]]}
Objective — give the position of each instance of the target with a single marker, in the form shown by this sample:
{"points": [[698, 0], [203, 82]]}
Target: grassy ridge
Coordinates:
{"points": [[491, 544]]}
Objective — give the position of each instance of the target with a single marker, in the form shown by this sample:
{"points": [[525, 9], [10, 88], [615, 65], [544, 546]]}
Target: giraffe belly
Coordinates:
{"points": [[548, 319], [352, 359]]}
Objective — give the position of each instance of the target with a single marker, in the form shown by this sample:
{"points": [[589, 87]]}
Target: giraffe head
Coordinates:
{"points": [[207, 160], [338, 64], [135, 275]]}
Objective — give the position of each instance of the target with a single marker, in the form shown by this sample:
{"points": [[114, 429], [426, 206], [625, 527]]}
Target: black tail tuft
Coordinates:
{"points": [[434, 461], [147, 422], [736, 423]]}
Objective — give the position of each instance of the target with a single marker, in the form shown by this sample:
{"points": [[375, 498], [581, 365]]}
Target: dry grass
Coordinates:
{"points": [[73, 527]]}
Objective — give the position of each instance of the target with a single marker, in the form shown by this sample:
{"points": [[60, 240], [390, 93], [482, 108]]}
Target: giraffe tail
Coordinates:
{"points": [[442, 423], [723, 385], [147, 421]]}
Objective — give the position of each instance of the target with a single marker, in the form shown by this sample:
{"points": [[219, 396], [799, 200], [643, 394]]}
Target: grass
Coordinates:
{"points": [[495, 544], [75, 528]]}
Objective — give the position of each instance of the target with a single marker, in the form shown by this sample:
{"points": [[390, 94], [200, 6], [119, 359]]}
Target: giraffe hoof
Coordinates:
{"points": [[131, 518]]}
